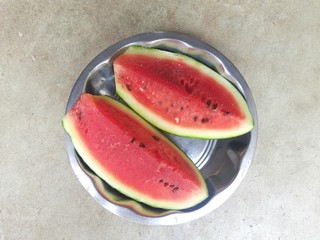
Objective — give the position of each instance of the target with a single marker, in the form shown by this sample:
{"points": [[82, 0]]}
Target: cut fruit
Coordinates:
{"points": [[180, 95], [132, 156]]}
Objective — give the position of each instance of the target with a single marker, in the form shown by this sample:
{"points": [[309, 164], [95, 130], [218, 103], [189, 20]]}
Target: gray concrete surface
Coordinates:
{"points": [[46, 44]]}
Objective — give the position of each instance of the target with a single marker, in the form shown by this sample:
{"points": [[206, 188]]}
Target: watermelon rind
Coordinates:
{"points": [[115, 197], [245, 126]]}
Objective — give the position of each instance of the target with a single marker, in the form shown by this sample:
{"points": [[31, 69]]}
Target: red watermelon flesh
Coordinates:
{"points": [[180, 95], [132, 156]]}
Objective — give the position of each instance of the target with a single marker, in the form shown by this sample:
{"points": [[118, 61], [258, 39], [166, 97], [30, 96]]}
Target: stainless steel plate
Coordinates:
{"points": [[223, 163]]}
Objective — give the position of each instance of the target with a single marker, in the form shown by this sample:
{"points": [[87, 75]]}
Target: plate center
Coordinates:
{"points": [[198, 150]]}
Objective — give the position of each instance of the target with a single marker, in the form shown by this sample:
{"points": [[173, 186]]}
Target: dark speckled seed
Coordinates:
{"points": [[195, 118], [208, 103], [79, 115], [128, 87], [166, 184], [132, 140], [161, 181], [156, 138], [175, 189], [142, 145], [214, 106], [227, 113], [204, 120]]}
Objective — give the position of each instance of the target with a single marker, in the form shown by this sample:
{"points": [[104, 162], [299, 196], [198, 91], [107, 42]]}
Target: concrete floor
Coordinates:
{"points": [[44, 47]]}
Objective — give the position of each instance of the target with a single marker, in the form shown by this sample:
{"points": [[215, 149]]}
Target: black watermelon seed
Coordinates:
{"points": [[166, 184], [175, 189], [208, 103], [181, 108], [128, 87], [161, 181], [79, 115], [204, 120], [132, 140], [142, 145], [214, 106], [171, 185], [195, 118], [156, 138], [227, 113]]}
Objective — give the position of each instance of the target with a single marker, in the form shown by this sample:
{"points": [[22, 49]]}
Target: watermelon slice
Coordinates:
{"points": [[132, 156], [180, 95]]}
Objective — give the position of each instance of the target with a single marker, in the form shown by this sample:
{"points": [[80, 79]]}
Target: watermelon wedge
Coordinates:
{"points": [[180, 95], [132, 156]]}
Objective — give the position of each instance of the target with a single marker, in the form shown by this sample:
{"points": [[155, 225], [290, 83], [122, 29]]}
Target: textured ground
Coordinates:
{"points": [[44, 47]]}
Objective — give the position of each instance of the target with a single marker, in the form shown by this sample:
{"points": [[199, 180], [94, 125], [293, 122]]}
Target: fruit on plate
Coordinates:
{"points": [[131, 155], [180, 95]]}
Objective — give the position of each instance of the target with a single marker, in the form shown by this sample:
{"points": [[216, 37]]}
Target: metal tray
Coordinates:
{"points": [[223, 163]]}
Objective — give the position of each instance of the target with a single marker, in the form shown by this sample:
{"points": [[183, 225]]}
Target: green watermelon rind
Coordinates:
{"points": [[156, 120], [126, 202], [89, 159]]}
